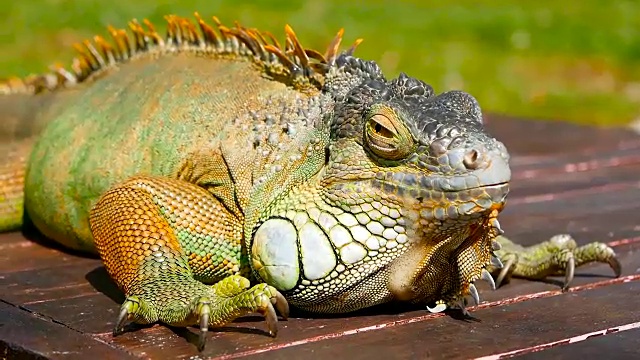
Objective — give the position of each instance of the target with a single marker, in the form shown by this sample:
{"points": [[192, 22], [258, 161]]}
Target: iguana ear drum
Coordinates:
{"points": [[276, 261], [386, 134]]}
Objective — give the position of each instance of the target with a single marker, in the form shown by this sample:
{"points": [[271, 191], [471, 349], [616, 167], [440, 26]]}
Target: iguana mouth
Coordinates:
{"points": [[498, 184]]}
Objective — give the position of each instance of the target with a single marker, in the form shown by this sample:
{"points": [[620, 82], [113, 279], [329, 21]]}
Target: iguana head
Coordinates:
{"points": [[422, 176], [402, 202]]}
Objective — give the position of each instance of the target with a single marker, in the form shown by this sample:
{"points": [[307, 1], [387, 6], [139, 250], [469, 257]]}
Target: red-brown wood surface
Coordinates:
{"points": [[566, 178]]}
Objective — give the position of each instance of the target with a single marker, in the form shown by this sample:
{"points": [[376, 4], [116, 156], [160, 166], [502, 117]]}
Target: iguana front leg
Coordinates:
{"points": [[157, 237], [558, 256]]}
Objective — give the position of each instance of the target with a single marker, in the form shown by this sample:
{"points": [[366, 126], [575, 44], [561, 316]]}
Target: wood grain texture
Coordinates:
{"points": [[580, 180]]}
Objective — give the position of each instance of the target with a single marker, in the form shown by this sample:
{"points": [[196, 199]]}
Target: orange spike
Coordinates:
{"points": [[171, 27], [190, 30], [256, 46], [312, 54], [224, 31], [334, 47], [124, 41], [207, 31], [277, 52], [82, 54], [138, 34], [157, 39], [105, 48], [64, 73], [81, 66], [217, 21], [354, 46], [258, 36], [298, 50], [149, 25], [273, 39], [94, 53], [114, 36]]}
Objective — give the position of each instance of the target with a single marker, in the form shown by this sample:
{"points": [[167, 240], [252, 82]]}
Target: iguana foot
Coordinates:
{"points": [[558, 256], [193, 303], [143, 228]]}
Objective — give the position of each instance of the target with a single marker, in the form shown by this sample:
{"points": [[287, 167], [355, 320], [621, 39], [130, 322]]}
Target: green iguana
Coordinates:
{"points": [[218, 173]]}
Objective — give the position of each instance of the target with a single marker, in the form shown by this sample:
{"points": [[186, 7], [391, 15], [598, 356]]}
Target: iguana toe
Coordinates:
{"points": [[128, 308], [261, 298], [598, 252], [133, 309], [559, 256], [281, 304]]}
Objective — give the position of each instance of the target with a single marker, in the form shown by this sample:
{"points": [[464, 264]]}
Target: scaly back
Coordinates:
{"points": [[112, 87]]}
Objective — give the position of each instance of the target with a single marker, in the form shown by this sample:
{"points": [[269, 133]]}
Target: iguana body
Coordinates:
{"points": [[218, 157]]}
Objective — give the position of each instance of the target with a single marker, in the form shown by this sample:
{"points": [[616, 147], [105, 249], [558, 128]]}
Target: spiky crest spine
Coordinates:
{"points": [[292, 64]]}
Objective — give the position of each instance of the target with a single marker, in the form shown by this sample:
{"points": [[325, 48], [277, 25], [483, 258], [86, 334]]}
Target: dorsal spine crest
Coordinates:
{"points": [[292, 64]]}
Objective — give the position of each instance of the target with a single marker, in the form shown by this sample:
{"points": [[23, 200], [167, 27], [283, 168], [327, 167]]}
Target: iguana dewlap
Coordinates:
{"points": [[218, 173]]}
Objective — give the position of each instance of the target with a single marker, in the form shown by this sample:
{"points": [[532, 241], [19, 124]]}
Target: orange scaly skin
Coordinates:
{"points": [[141, 251], [203, 162]]}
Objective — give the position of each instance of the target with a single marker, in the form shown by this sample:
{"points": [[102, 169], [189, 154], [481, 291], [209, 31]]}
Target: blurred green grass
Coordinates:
{"points": [[576, 61]]}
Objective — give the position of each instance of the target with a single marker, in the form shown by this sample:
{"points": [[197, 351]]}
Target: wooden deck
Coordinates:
{"points": [[566, 178]]}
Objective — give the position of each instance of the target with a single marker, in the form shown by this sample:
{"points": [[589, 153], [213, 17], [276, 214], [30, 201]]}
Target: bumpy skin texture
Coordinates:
{"points": [[205, 162]]}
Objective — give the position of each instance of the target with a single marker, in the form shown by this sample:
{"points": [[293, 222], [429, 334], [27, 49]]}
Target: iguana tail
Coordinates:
{"points": [[12, 171], [23, 115]]}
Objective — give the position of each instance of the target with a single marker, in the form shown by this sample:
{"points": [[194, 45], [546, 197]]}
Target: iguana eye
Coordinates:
{"points": [[381, 126], [386, 134]]}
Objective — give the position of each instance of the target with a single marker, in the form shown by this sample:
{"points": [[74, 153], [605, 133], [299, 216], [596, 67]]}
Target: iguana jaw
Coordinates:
{"points": [[451, 210], [448, 252]]}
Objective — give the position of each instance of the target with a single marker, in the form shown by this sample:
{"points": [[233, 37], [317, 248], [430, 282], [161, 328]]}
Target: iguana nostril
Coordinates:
{"points": [[471, 159]]}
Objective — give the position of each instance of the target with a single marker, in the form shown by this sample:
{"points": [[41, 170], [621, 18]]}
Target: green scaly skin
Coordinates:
{"points": [[199, 165]]}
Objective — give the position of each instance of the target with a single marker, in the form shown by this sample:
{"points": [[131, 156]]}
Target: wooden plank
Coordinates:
{"points": [[492, 330], [246, 336], [29, 336], [621, 342], [549, 139], [18, 253], [559, 180], [66, 298], [96, 313]]}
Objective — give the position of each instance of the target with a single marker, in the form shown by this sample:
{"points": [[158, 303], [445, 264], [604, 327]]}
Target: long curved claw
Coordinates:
{"points": [[122, 318], [496, 262], [615, 265], [462, 306], [281, 305], [486, 276], [505, 271], [474, 294], [128, 308], [271, 319], [570, 271], [205, 311]]}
